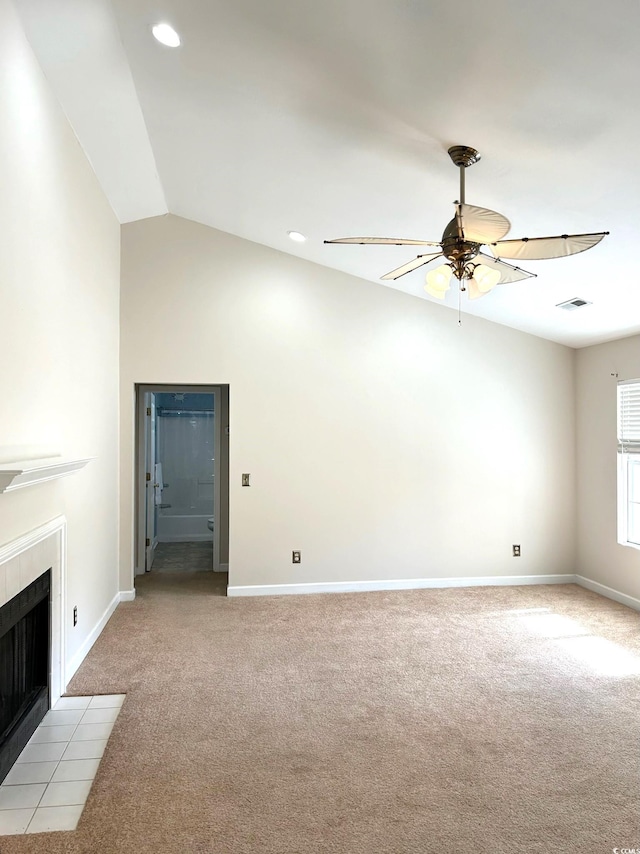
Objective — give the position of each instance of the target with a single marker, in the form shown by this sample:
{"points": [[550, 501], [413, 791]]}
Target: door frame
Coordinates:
{"points": [[141, 389], [150, 454]]}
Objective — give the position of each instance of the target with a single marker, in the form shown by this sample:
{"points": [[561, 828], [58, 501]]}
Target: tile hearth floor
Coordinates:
{"points": [[47, 787]]}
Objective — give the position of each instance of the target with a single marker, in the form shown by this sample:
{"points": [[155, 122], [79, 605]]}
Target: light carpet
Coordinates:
{"points": [[482, 720]]}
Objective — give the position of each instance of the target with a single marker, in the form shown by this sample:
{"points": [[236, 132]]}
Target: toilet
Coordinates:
{"points": [[210, 523]]}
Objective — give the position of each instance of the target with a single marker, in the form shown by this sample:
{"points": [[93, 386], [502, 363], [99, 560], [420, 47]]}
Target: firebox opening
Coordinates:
{"points": [[24, 668]]}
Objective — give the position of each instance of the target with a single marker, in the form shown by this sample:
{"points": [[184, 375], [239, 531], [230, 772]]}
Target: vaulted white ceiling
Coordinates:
{"points": [[334, 119]]}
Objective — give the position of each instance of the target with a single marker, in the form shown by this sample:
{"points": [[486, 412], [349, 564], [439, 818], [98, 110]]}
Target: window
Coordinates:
{"points": [[629, 463]]}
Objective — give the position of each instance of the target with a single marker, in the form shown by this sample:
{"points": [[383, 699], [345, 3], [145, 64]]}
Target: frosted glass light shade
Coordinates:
{"points": [[438, 281], [473, 291], [486, 278]]}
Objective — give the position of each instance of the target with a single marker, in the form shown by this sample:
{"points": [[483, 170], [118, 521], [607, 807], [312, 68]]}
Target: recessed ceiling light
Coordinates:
{"points": [[295, 235], [166, 35]]}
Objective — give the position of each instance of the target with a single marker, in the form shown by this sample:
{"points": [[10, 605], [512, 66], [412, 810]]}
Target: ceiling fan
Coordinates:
{"points": [[471, 229]]}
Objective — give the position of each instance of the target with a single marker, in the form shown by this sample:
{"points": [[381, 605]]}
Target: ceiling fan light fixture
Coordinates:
{"points": [[166, 35], [473, 290], [435, 293], [486, 278], [438, 281]]}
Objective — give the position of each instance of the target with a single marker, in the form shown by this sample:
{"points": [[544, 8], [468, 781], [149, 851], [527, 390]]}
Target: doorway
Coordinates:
{"points": [[182, 483]]}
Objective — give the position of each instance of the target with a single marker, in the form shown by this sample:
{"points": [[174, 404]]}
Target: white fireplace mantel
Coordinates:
{"points": [[21, 473]]}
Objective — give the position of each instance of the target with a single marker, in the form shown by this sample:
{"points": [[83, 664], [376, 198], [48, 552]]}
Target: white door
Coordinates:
{"points": [[152, 488]]}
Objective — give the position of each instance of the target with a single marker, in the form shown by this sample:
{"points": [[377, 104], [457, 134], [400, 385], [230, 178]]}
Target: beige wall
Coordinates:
{"points": [[600, 558], [59, 281], [383, 440]]}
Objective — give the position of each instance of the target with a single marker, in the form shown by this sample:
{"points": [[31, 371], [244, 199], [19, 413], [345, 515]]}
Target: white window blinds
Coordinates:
{"points": [[629, 416]]}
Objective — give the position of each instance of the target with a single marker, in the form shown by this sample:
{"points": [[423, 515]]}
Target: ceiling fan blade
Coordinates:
{"points": [[383, 241], [481, 225], [412, 265], [508, 273], [542, 248]]}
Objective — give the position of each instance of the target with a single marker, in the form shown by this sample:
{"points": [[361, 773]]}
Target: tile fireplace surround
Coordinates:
{"points": [[25, 559]]}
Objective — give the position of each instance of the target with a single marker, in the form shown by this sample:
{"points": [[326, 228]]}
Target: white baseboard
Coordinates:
{"points": [[127, 595], [426, 583], [396, 584], [609, 592], [93, 636]]}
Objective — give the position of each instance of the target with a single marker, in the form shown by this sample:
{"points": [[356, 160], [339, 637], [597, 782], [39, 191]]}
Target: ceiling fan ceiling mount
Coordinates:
{"points": [[464, 155]]}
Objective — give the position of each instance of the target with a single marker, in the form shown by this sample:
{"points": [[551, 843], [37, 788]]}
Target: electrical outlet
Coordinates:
{"points": [[296, 557], [75, 615], [516, 551]]}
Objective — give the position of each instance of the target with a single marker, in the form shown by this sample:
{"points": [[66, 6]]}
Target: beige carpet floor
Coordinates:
{"points": [[482, 720]]}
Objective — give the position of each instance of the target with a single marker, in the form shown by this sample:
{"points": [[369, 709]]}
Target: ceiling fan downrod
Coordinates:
{"points": [[463, 156]]}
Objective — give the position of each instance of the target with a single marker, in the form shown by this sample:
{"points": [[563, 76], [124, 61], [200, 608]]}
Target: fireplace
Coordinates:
{"points": [[24, 667]]}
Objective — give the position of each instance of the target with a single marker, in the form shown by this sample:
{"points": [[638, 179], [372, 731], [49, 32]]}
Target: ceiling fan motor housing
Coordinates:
{"points": [[457, 250]]}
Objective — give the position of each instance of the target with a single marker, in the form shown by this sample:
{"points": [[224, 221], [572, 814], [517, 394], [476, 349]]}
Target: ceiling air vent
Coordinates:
{"points": [[573, 304]]}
